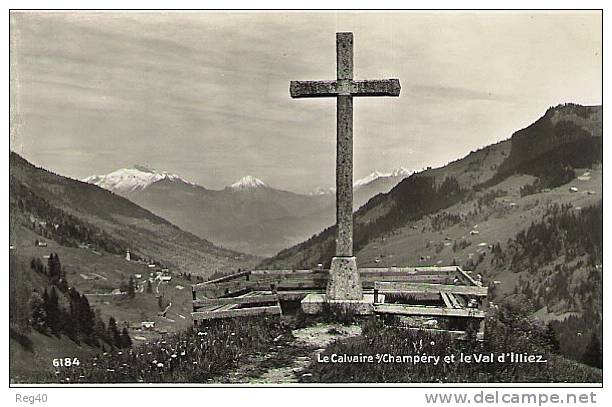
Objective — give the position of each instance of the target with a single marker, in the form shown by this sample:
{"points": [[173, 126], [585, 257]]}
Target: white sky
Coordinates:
{"points": [[205, 95]]}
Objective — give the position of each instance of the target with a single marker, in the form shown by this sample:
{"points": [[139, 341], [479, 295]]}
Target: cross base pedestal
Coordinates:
{"points": [[344, 281], [344, 291]]}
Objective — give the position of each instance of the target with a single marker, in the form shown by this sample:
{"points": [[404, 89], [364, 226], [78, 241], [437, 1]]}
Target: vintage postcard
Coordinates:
{"points": [[305, 198]]}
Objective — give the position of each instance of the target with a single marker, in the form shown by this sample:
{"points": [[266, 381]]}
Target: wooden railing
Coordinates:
{"points": [[259, 291], [269, 280], [464, 301]]}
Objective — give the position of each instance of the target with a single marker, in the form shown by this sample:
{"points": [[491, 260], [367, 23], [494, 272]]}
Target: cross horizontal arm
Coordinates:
{"points": [[313, 89], [376, 87], [318, 89]]}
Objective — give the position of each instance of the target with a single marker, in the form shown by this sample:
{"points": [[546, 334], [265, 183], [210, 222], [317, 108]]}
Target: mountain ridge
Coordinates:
{"points": [[137, 177]]}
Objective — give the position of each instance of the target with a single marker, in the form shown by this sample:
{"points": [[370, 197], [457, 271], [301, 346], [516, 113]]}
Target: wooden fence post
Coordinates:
{"points": [[481, 330], [193, 296]]}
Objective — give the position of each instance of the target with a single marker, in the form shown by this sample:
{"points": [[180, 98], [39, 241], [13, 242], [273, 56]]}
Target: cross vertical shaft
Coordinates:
{"points": [[344, 146]]}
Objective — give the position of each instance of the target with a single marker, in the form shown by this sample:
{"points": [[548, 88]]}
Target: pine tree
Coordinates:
{"points": [[50, 265], [550, 338], [86, 319], [68, 325], [37, 312], [60, 271], [53, 268], [75, 311], [113, 333], [593, 355], [100, 330], [126, 341], [131, 288], [53, 312], [45, 300]]}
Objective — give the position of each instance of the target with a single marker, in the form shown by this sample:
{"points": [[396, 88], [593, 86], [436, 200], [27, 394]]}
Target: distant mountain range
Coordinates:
{"points": [[248, 216]]}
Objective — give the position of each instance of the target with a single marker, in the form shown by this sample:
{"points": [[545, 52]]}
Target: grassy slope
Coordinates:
{"points": [[503, 337], [187, 357], [501, 220], [31, 359], [218, 349], [80, 266]]}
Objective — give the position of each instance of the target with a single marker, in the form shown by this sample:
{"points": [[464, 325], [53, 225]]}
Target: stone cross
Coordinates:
{"points": [[344, 88]]}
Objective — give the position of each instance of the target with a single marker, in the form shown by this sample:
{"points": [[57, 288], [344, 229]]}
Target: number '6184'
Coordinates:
{"points": [[66, 362]]}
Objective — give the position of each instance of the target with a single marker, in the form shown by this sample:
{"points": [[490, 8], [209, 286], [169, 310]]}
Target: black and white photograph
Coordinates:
{"points": [[305, 197]]}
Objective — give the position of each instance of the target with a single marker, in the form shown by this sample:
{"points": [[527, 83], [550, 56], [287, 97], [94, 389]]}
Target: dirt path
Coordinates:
{"points": [[288, 360]]}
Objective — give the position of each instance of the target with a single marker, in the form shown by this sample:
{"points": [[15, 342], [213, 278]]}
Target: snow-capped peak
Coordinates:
{"points": [[323, 191], [397, 173], [248, 182], [369, 178], [401, 172], [131, 179]]}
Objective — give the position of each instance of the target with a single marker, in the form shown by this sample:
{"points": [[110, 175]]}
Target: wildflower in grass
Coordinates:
{"points": [[160, 365]]}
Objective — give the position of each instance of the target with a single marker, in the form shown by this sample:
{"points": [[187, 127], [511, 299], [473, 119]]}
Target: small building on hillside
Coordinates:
{"points": [[147, 324]]}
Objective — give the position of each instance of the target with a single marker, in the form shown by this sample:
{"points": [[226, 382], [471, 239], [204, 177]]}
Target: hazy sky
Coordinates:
{"points": [[205, 95]]}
